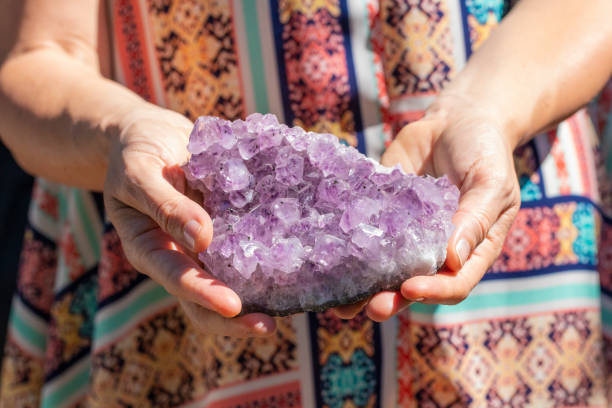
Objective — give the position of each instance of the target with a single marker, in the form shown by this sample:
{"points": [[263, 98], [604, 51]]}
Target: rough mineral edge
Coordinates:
{"points": [[304, 223]]}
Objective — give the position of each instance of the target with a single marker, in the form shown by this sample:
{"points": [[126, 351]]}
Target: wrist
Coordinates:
{"points": [[455, 104], [145, 117]]}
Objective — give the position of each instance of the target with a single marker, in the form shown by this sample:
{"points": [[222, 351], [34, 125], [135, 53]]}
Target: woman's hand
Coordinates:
{"points": [[465, 142], [161, 225]]}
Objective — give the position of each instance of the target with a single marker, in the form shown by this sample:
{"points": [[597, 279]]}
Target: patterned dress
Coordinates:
{"points": [[88, 330]]}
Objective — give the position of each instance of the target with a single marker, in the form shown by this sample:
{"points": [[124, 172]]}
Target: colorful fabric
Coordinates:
{"points": [[88, 330]]}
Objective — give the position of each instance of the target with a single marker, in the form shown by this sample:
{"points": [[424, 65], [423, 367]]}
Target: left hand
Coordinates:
{"points": [[153, 210], [458, 138]]}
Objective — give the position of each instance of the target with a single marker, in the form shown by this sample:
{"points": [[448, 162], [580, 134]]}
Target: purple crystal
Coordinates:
{"points": [[302, 222]]}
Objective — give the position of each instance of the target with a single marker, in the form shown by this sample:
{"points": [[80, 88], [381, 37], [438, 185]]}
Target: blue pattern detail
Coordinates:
{"points": [[355, 381], [481, 9], [529, 190], [585, 245], [85, 303]]}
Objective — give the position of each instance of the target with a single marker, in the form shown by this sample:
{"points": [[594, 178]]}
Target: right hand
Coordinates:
{"points": [[162, 227]]}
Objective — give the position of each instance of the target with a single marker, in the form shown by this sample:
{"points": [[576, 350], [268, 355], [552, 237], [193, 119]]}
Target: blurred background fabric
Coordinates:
{"points": [[15, 191], [16, 187]]}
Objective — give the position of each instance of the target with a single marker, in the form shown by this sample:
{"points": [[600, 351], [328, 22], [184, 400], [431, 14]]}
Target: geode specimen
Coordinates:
{"points": [[303, 223]]}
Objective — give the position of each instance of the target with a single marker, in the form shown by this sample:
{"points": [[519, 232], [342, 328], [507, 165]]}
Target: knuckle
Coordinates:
{"points": [[195, 318], [111, 213], [134, 256], [129, 186], [496, 253], [509, 191], [460, 296], [505, 187], [171, 288], [515, 199], [164, 213], [409, 129], [481, 222], [408, 133]]}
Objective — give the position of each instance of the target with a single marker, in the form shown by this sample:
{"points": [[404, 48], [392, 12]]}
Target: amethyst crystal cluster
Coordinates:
{"points": [[302, 222]]}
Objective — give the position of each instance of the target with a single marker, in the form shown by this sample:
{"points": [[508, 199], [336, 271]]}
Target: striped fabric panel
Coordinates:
{"points": [[282, 391], [81, 231], [69, 388], [27, 329], [322, 100], [434, 55], [68, 216], [259, 70], [150, 52], [133, 64], [568, 165], [44, 209], [368, 71], [141, 302], [516, 297]]}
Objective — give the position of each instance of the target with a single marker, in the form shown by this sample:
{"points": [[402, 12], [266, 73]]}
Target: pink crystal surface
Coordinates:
{"points": [[303, 222]]}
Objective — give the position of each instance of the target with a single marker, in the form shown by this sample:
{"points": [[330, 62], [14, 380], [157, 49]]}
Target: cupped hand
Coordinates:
{"points": [[458, 138], [161, 225]]}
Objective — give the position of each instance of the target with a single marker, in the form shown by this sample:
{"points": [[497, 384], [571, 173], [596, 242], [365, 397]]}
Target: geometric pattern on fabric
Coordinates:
{"points": [[316, 68], [196, 51], [569, 160], [550, 238], [543, 360], [418, 56], [71, 324], [133, 62], [346, 360], [22, 376], [37, 272], [116, 275], [163, 361]]}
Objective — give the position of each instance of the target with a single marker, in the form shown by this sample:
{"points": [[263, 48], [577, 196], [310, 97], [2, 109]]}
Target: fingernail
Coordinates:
{"points": [[418, 300], [463, 250], [191, 231]]}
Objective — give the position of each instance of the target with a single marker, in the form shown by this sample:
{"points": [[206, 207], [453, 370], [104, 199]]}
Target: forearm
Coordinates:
{"points": [[59, 115], [540, 65]]}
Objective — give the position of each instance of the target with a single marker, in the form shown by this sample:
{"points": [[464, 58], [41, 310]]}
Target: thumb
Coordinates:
{"points": [[482, 203], [160, 194]]}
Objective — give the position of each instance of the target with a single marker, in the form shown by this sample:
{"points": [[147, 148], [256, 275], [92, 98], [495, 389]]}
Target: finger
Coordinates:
{"points": [[152, 252], [446, 288], [161, 194], [450, 287], [413, 146], [349, 311], [395, 154], [384, 305], [482, 202], [250, 325]]}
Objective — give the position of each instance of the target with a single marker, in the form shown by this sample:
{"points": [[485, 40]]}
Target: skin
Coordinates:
{"points": [[93, 133]]}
